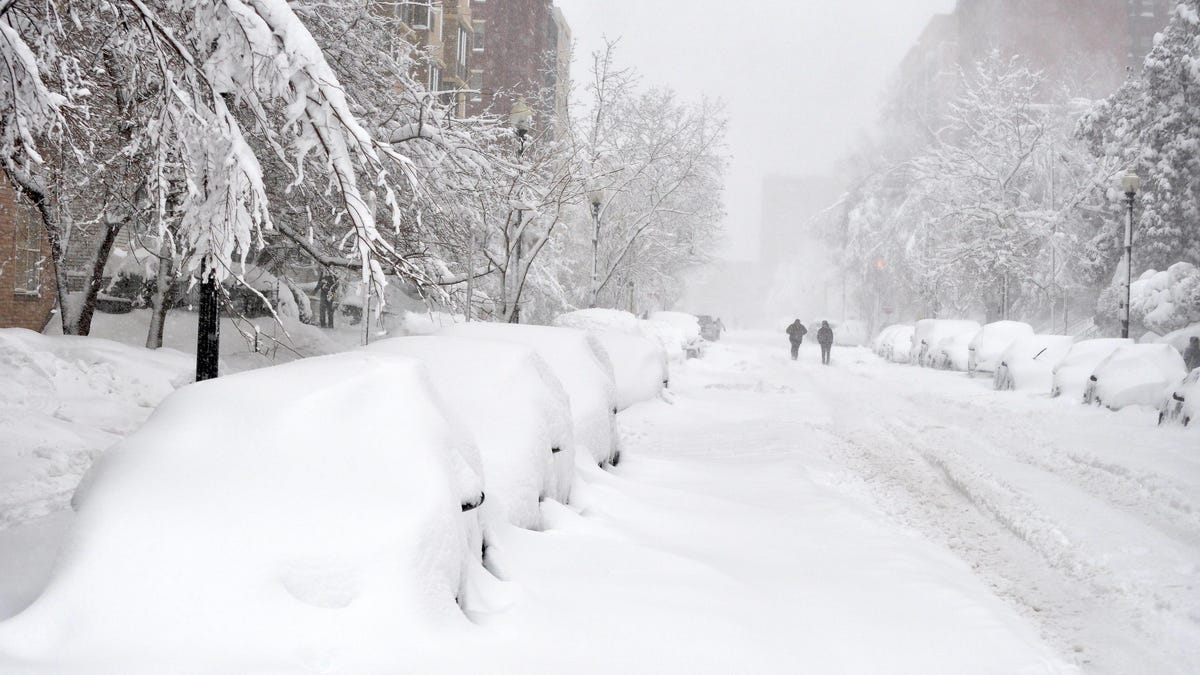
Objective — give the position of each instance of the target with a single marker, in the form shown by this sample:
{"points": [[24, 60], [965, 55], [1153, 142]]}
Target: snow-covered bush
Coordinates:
{"points": [[1070, 377], [321, 507], [516, 410], [582, 366], [1135, 375], [1181, 404], [929, 333], [894, 342], [983, 354], [1029, 362], [1159, 301]]}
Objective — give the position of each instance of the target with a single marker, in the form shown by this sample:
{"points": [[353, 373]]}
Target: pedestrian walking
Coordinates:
{"points": [[796, 332], [825, 339], [327, 285], [1191, 355]]}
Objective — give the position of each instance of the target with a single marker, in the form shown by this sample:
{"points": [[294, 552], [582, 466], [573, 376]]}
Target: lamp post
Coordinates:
{"points": [[208, 333], [596, 197], [1129, 184], [520, 117]]}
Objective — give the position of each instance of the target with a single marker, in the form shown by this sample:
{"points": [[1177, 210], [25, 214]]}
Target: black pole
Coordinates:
{"points": [[208, 333], [1129, 196]]}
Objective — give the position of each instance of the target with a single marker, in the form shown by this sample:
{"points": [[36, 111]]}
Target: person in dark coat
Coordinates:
{"points": [[796, 332], [327, 285], [1191, 355], [825, 339]]}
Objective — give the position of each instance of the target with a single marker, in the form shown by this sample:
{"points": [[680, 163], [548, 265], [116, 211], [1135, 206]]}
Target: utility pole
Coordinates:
{"points": [[1130, 184], [208, 333]]}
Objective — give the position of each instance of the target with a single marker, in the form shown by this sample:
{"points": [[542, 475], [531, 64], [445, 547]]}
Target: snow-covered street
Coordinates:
{"points": [[778, 516]]}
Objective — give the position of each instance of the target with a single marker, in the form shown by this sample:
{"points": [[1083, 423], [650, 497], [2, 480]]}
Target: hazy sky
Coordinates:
{"points": [[801, 78]]}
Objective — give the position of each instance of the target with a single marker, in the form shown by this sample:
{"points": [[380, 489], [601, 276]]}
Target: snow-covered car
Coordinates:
{"points": [[711, 327], [1181, 405], [1179, 338], [322, 506], [580, 363], [983, 354], [1070, 377], [689, 328], [953, 353], [895, 342], [641, 365], [516, 410], [1029, 362], [929, 333], [1134, 375]]}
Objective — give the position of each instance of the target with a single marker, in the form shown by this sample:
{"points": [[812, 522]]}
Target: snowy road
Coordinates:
{"points": [[783, 516]]}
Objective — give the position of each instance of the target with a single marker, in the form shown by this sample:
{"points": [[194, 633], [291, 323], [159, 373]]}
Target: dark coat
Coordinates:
{"points": [[796, 331], [825, 335]]}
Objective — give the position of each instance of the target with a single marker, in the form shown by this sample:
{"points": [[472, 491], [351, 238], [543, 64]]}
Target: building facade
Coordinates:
{"points": [[522, 49], [27, 291]]}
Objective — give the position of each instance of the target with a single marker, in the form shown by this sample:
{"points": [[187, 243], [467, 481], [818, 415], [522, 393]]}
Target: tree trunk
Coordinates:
{"points": [[163, 296]]}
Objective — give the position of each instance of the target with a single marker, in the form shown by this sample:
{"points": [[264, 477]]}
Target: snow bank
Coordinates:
{"points": [[63, 400], [1029, 362], [929, 333], [1070, 377], [293, 517], [983, 354], [640, 363], [1135, 375], [515, 409], [895, 342], [578, 361]]}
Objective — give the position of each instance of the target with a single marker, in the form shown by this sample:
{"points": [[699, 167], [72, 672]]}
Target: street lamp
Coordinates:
{"points": [[1129, 184], [520, 117], [595, 195]]}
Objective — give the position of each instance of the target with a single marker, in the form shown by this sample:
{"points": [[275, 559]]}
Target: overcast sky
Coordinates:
{"points": [[801, 78]]}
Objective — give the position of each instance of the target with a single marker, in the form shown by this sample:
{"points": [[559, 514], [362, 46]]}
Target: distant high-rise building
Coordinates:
{"points": [[522, 48]]}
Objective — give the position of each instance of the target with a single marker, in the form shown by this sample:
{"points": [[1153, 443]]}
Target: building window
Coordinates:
{"points": [[416, 13], [28, 250], [435, 79], [480, 28], [475, 84]]}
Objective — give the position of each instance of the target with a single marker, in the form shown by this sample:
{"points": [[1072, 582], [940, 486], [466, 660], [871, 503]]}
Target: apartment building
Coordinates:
{"points": [[444, 31], [522, 48], [27, 291]]}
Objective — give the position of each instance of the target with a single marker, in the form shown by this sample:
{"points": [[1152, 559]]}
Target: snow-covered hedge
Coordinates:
{"points": [[1135, 375], [319, 507], [517, 413], [1070, 377], [983, 354], [929, 333], [582, 366], [1029, 362], [1160, 301]]}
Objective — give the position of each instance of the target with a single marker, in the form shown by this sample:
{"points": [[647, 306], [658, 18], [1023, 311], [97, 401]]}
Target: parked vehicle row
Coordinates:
{"points": [[1111, 372]]}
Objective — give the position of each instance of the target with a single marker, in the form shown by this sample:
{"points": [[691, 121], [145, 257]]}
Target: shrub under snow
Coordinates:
{"points": [[516, 410], [277, 517]]}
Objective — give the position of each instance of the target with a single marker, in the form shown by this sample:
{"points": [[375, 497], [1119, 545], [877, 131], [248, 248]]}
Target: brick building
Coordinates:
{"points": [[521, 48], [27, 291], [444, 31]]}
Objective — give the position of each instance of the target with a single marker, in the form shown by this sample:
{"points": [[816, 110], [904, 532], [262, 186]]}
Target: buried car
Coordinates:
{"points": [[516, 410], [988, 345], [580, 363], [1070, 376], [928, 335], [1029, 362], [1181, 405], [641, 366], [322, 507], [894, 342], [1134, 375]]}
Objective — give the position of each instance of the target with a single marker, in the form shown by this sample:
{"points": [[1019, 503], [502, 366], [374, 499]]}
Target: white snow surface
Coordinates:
{"points": [[517, 413], [1138, 374], [1070, 377], [600, 319], [1029, 362], [283, 517], [582, 366], [989, 344], [778, 516], [929, 333]]}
